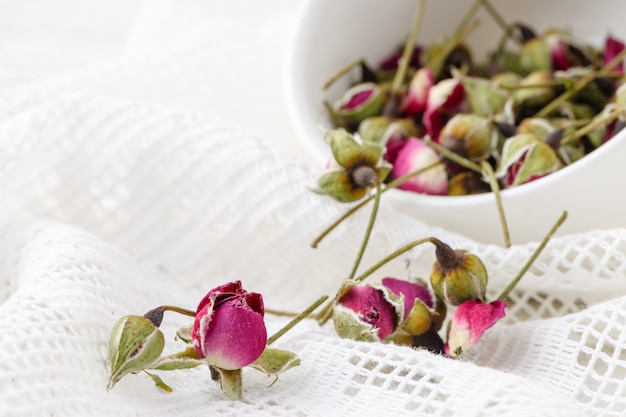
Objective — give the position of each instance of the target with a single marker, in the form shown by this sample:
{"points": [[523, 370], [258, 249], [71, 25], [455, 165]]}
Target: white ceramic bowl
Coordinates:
{"points": [[331, 33]]}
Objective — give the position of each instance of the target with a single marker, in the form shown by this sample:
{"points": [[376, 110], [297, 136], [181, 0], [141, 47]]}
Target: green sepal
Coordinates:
{"points": [[484, 97], [275, 361], [419, 319], [348, 153], [135, 344], [535, 55], [337, 185], [186, 359], [159, 382], [184, 333]]}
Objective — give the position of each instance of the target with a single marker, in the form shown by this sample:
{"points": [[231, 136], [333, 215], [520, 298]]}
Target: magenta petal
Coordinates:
{"points": [[411, 292], [357, 99], [372, 307], [415, 155], [228, 330], [613, 47], [470, 321], [232, 337], [445, 96], [560, 60], [417, 96]]}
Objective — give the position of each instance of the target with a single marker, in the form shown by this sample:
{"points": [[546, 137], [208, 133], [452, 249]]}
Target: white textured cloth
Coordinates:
{"points": [[122, 189]]}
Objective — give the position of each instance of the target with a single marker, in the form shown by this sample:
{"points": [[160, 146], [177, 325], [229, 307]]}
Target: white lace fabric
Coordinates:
{"points": [[123, 189]]}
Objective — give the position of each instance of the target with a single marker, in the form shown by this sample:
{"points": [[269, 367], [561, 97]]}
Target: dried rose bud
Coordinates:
{"points": [[484, 96], [396, 135], [229, 331], [467, 183], [612, 48], [373, 129], [135, 344], [535, 55], [359, 167], [365, 312], [470, 136], [537, 126], [443, 98], [419, 305], [457, 276], [532, 98], [360, 102], [469, 322], [526, 158], [414, 155], [416, 97]]}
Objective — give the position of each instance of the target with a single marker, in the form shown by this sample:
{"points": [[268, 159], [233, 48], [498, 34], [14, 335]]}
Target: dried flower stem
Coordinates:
{"points": [[604, 120], [495, 188], [179, 310], [392, 184], [533, 257], [296, 320], [436, 63], [497, 17], [390, 257], [409, 46], [580, 84], [368, 232], [343, 71]]}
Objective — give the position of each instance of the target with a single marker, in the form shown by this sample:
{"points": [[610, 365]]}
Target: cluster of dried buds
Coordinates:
{"points": [[412, 312], [528, 112]]}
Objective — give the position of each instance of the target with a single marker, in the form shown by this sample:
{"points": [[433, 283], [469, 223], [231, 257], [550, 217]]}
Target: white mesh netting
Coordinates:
{"points": [[112, 206]]}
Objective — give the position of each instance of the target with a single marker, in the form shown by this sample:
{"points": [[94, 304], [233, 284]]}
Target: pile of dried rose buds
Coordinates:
{"points": [[527, 112], [412, 313]]}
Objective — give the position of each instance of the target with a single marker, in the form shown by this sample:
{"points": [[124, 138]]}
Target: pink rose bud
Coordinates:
{"points": [[228, 331], [613, 47], [392, 61], [360, 102], [417, 97], [414, 155], [444, 97], [469, 322], [419, 305], [365, 312], [526, 158], [470, 136]]}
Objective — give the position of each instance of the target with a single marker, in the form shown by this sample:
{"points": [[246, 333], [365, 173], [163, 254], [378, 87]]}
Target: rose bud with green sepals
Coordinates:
{"points": [[360, 102], [444, 98], [612, 48], [414, 155], [360, 167], [529, 99], [467, 183], [457, 276], [525, 158], [470, 136], [365, 312], [416, 97], [373, 129], [484, 96], [228, 331], [469, 322], [135, 344], [419, 305], [396, 135]]}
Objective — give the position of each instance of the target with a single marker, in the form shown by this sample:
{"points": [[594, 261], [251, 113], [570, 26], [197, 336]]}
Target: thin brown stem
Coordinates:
{"points": [[454, 157], [343, 71]]}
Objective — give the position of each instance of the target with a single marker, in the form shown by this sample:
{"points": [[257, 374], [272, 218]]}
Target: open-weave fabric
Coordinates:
{"points": [[121, 191]]}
